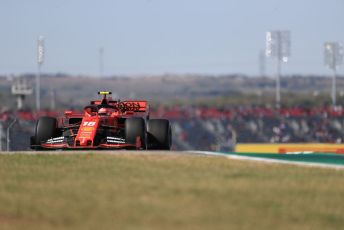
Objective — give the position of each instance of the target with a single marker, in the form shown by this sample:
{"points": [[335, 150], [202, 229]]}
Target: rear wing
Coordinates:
{"points": [[136, 106], [129, 105]]}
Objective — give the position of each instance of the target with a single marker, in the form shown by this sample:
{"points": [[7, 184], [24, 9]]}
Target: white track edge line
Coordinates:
{"points": [[273, 161]]}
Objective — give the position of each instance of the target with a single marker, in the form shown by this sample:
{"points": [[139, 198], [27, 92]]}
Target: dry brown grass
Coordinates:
{"points": [[155, 191]]}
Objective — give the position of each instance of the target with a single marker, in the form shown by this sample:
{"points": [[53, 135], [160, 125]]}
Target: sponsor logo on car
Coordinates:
{"points": [[116, 140], [55, 140]]}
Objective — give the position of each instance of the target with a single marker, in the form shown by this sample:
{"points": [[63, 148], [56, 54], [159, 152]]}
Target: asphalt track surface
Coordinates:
{"points": [[335, 161]]}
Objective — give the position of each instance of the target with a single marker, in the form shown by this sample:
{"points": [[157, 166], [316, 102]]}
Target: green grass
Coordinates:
{"points": [[154, 191]]}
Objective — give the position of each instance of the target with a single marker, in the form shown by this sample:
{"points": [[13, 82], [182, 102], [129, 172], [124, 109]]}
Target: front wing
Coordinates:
{"points": [[107, 143]]}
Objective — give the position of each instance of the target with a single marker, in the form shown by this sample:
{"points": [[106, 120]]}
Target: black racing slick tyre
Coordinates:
{"points": [[46, 128], [159, 134], [135, 127]]}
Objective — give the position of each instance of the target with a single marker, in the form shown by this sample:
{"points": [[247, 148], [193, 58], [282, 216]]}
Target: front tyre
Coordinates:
{"points": [[46, 128], [159, 134], [135, 130]]}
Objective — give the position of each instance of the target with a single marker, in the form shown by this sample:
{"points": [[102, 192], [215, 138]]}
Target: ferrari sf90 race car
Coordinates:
{"points": [[104, 124]]}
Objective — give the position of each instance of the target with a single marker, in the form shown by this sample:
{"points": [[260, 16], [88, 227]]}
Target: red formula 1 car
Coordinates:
{"points": [[104, 124]]}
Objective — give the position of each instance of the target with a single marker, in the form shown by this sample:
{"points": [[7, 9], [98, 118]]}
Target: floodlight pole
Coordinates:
{"points": [[333, 54], [334, 88], [278, 46], [38, 88], [40, 60], [8, 134], [278, 83]]}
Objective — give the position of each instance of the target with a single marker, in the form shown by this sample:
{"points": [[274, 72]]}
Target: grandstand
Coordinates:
{"points": [[219, 129]]}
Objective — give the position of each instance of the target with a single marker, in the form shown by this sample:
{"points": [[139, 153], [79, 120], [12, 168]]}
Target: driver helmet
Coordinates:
{"points": [[102, 112]]}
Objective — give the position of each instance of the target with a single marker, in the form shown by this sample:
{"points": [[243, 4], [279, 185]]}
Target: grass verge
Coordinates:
{"points": [[156, 191]]}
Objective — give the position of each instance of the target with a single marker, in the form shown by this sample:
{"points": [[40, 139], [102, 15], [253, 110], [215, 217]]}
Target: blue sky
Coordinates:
{"points": [[165, 36]]}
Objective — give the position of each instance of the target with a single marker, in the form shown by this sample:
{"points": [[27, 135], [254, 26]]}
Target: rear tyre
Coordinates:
{"points": [[135, 128], [46, 128], [159, 134]]}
